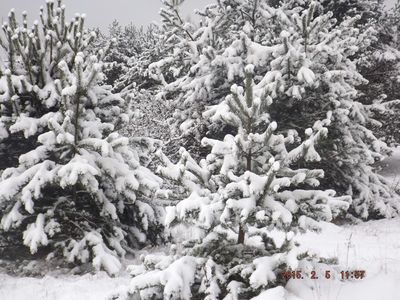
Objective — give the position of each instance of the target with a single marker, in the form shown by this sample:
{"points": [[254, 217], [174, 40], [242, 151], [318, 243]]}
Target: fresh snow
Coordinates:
{"points": [[373, 246], [73, 287]]}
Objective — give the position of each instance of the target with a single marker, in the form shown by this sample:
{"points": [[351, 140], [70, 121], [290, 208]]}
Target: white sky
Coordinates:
{"points": [[390, 3], [100, 13]]}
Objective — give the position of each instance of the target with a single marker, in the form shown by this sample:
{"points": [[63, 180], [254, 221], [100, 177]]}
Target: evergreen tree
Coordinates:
{"points": [[379, 65], [307, 62], [118, 54], [160, 57], [30, 68], [129, 55], [377, 62], [238, 198], [150, 65], [179, 41], [138, 86], [147, 47], [79, 188]]}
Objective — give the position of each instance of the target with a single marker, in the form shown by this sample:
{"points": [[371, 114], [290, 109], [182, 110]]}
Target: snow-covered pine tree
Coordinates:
{"points": [[246, 193], [160, 57], [79, 189], [352, 148], [129, 55], [146, 46], [179, 42], [29, 69], [305, 59], [366, 10], [379, 64], [383, 73], [118, 54], [138, 86]]}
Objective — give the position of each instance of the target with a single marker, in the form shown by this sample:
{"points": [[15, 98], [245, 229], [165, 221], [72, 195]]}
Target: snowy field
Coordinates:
{"points": [[373, 246], [87, 287]]}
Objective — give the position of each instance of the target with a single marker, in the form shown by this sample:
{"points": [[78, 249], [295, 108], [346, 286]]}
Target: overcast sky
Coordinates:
{"points": [[100, 13]]}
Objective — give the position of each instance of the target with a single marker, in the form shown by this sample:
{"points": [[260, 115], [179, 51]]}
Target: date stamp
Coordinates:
{"points": [[328, 274]]}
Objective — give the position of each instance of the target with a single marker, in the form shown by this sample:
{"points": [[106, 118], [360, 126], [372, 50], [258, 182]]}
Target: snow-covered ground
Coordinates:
{"points": [[373, 246], [86, 287]]}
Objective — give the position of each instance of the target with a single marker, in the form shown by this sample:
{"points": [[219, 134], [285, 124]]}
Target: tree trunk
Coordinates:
{"points": [[241, 235]]}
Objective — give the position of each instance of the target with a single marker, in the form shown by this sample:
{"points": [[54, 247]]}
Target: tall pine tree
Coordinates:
{"points": [[246, 193], [306, 60], [78, 187]]}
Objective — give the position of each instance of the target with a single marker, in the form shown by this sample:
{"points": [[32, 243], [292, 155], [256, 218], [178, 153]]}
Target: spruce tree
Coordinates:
{"points": [[146, 46], [118, 54], [78, 189], [31, 66], [306, 60], [385, 74], [246, 190], [377, 62], [160, 58], [179, 41]]}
